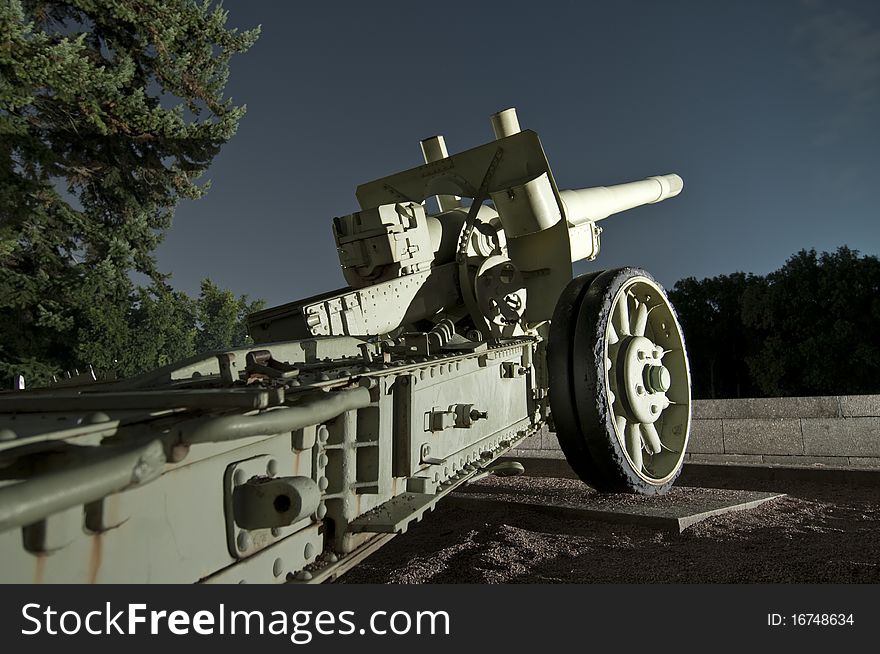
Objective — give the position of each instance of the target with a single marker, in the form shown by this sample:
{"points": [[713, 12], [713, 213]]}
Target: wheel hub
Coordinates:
{"points": [[657, 379], [645, 380]]}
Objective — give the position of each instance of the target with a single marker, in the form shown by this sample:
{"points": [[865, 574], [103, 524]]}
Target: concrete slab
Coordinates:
{"points": [[864, 461], [706, 437], [725, 459], [772, 407], [753, 436], [852, 406], [679, 509], [532, 442], [537, 454], [858, 437]]}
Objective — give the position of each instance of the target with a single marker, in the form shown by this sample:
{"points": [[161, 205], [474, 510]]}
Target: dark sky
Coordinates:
{"points": [[770, 111]]}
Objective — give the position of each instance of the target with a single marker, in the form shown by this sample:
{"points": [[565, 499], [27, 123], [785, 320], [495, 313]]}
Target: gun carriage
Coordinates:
{"points": [[461, 333]]}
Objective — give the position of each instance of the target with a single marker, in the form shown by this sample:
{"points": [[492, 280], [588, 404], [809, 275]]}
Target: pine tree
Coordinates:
{"points": [[110, 111]]}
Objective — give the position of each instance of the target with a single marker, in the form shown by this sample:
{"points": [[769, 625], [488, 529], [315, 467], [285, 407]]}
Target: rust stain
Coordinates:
{"points": [[40, 568], [95, 557]]}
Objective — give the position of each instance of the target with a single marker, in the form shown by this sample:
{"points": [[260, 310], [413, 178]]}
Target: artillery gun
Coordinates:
{"points": [[461, 333]]}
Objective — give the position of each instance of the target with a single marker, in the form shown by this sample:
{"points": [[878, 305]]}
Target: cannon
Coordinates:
{"points": [[461, 332]]}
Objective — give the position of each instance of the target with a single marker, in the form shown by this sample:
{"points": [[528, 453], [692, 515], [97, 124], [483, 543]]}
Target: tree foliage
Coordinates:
{"points": [[710, 313], [110, 111], [810, 328], [221, 318], [160, 326], [817, 322]]}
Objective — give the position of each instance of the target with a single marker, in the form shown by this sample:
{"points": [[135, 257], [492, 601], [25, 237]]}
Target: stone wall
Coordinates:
{"points": [[835, 432]]}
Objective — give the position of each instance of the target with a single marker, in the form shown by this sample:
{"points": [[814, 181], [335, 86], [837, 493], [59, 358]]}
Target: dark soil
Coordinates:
{"points": [[826, 530]]}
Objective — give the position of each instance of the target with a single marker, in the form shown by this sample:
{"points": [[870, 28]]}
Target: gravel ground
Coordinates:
{"points": [[826, 530]]}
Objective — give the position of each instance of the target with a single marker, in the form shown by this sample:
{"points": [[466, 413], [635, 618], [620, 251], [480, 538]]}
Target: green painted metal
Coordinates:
{"points": [[357, 411]]}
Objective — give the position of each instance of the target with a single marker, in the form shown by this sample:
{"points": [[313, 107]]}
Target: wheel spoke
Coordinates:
{"points": [[634, 445], [621, 315], [652, 438], [641, 320], [612, 333]]}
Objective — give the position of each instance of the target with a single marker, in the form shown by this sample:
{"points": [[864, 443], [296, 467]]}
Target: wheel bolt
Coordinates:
{"points": [[640, 389], [655, 409]]}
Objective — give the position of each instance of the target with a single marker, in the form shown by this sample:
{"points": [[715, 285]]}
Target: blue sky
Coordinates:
{"points": [[770, 111]]}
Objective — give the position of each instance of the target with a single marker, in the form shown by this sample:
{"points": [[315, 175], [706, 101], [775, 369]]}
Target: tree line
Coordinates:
{"points": [[810, 328]]}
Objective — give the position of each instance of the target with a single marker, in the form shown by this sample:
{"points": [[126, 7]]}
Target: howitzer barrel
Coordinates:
{"points": [[597, 203]]}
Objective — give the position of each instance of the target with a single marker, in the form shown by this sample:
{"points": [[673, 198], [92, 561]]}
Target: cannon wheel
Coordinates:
{"points": [[619, 382]]}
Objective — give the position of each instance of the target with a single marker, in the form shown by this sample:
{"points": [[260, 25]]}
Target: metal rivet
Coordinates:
{"points": [[238, 477], [272, 467], [243, 541], [278, 567], [309, 550]]}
